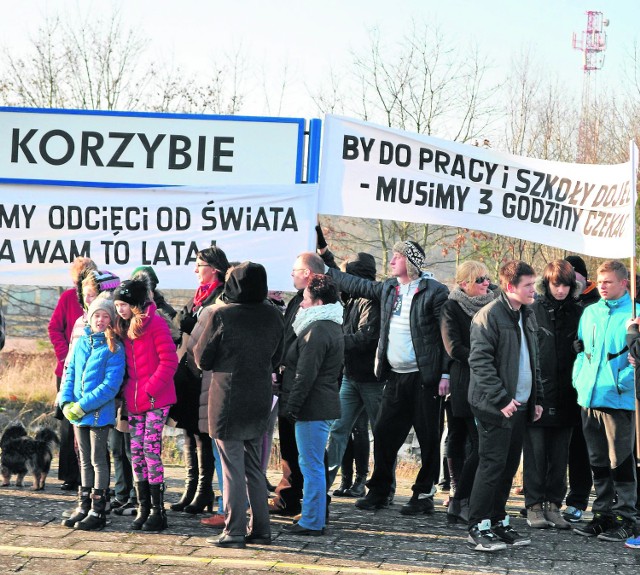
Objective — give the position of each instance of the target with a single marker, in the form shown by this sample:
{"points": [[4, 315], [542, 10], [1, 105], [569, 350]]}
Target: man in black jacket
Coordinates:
{"points": [[288, 497], [505, 391], [411, 356]]}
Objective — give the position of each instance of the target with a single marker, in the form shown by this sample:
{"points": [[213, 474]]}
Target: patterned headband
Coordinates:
{"points": [[413, 253]]}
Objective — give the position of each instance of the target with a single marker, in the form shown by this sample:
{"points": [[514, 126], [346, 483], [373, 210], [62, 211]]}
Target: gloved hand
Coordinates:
{"points": [[187, 323], [578, 346], [321, 243], [66, 411], [76, 411]]}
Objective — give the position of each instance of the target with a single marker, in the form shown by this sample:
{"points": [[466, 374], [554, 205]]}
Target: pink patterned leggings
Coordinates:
{"points": [[146, 444]]}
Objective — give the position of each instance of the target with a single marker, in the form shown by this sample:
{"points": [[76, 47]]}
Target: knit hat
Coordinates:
{"points": [[412, 251], [148, 270], [578, 265], [105, 303], [135, 292], [105, 281]]}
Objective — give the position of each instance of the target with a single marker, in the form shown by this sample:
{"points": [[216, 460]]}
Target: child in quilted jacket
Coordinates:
{"points": [[87, 398], [148, 393]]}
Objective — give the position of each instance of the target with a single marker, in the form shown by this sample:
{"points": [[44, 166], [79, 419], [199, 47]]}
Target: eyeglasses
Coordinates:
{"points": [[483, 279]]}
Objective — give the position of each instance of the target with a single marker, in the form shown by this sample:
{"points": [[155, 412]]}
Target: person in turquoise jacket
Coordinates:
{"points": [[604, 381], [87, 398]]}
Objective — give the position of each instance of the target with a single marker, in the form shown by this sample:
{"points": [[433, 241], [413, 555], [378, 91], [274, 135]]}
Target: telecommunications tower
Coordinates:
{"points": [[592, 43]]}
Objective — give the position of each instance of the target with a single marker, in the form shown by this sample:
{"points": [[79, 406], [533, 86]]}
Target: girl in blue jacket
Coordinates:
{"points": [[87, 397]]}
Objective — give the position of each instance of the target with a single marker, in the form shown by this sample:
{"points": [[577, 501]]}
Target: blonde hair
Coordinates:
{"points": [[112, 338], [133, 327], [80, 266], [470, 270], [616, 267]]}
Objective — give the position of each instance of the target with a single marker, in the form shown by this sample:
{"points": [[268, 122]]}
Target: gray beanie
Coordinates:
{"points": [[105, 303]]}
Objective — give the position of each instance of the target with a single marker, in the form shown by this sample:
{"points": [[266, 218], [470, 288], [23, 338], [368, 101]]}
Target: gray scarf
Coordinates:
{"points": [[470, 305]]}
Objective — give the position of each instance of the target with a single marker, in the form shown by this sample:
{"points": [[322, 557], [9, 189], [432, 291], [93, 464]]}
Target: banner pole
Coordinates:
{"points": [[633, 156]]}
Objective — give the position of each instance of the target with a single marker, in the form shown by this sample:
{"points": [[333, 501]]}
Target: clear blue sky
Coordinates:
{"points": [[311, 37]]}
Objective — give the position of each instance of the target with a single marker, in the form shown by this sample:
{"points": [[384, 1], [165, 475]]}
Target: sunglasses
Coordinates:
{"points": [[483, 279]]}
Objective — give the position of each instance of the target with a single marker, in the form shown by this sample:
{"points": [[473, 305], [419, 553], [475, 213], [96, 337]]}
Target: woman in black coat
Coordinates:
{"points": [[240, 345], [472, 293], [310, 393], [211, 267]]}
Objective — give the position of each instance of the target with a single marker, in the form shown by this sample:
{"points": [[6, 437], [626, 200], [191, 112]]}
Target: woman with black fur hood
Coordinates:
{"points": [[240, 346], [546, 441]]}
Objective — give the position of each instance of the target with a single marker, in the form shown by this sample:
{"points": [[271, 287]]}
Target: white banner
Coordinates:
{"points": [[42, 229], [118, 149], [370, 171]]}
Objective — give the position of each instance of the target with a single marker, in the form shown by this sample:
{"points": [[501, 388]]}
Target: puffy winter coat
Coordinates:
{"points": [[151, 363], [424, 321], [93, 379], [557, 330], [494, 360], [602, 374]]}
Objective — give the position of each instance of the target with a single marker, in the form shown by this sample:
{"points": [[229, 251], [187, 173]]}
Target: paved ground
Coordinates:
{"points": [[33, 542]]}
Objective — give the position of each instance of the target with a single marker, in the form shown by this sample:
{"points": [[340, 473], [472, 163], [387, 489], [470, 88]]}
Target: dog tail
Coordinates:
{"points": [[47, 436]]}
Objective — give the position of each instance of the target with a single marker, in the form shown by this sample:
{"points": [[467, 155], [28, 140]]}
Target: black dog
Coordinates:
{"points": [[21, 453]]}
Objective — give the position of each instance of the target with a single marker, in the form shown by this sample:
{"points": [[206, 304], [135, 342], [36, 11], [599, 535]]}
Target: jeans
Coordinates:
{"points": [[92, 446], [311, 438], [354, 397], [217, 462]]}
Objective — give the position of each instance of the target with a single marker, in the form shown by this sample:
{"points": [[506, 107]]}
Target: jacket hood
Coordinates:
{"points": [[540, 289], [246, 283], [362, 265]]}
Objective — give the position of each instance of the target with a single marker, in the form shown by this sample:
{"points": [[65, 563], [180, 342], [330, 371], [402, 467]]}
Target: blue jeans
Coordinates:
{"points": [[217, 462], [311, 437], [354, 397]]}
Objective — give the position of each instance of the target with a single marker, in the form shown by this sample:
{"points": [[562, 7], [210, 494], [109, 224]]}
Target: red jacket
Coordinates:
{"points": [[151, 363], [61, 324]]}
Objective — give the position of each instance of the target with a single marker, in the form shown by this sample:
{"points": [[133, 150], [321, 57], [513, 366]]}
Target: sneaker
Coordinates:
{"points": [[418, 504], [633, 542], [536, 517], [481, 538], [129, 508], [599, 524], [117, 504], [371, 502], [572, 514], [508, 534], [554, 517], [621, 530]]}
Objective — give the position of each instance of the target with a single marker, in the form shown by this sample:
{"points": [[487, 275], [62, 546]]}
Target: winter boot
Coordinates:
{"points": [[96, 518], [81, 511], [144, 505], [345, 484], [203, 498], [157, 520], [357, 489], [191, 480]]}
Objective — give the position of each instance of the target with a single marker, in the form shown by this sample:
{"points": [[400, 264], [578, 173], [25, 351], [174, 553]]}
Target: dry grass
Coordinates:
{"points": [[27, 377]]}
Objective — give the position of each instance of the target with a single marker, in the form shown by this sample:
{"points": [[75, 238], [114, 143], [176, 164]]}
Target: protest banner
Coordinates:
{"points": [[371, 171], [120, 149], [42, 229]]}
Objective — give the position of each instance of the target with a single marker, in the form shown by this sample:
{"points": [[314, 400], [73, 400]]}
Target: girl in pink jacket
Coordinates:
{"points": [[148, 393]]}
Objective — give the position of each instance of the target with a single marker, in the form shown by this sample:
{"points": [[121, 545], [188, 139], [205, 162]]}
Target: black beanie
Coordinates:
{"points": [[134, 292], [578, 264]]}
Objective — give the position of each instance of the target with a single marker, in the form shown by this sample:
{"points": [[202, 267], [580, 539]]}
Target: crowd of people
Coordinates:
{"points": [[538, 367]]}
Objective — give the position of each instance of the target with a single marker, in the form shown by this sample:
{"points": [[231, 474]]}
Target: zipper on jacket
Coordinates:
{"points": [[135, 372]]}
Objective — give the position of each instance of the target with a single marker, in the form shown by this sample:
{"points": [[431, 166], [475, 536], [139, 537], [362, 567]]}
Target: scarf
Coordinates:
{"points": [[305, 317], [470, 305], [203, 292]]}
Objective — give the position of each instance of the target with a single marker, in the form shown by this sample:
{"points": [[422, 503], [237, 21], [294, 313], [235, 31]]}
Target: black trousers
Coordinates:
{"points": [[289, 489], [499, 451], [406, 402], [546, 451]]}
